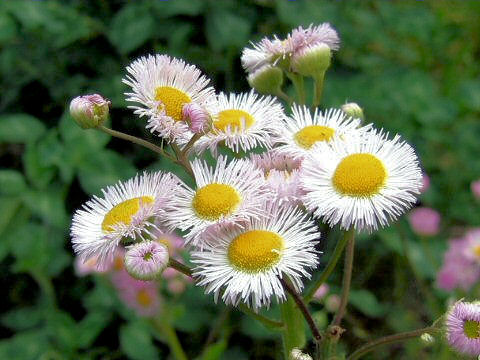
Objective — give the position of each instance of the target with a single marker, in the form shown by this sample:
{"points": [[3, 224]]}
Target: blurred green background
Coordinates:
{"points": [[414, 66]]}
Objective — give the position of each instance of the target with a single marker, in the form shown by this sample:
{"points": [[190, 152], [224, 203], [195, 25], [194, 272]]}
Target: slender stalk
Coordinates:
{"points": [[297, 81], [46, 286], [182, 159], [330, 266], [184, 269], [317, 89], [190, 143], [135, 140], [164, 328], [303, 308], [347, 278], [284, 97], [372, 345], [293, 334]]}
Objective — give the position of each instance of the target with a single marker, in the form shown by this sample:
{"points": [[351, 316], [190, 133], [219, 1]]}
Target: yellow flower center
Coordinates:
{"points": [[144, 298], [172, 101], [237, 120], [123, 212], [309, 135], [471, 329], [476, 251], [213, 201], [255, 250], [359, 175]]}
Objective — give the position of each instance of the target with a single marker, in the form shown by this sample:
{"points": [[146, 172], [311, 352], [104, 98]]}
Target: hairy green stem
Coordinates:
{"points": [[293, 334], [317, 89], [284, 97], [372, 345], [347, 278], [134, 140], [337, 253], [184, 269]]}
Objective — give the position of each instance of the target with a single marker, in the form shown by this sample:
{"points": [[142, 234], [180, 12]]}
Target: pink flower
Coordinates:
{"points": [[460, 268], [141, 296], [463, 328], [425, 221], [425, 183], [475, 186], [90, 266]]}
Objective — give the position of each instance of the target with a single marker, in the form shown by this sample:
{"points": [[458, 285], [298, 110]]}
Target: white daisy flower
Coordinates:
{"points": [[245, 264], [161, 86], [281, 174], [362, 183], [302, 130], [127, 210], [243, 121], [230, 192]]}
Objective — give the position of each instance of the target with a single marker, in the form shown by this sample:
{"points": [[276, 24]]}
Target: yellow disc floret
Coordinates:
{"points": [[144, 298], [476, 251], [471, 328], [235, 119], [123, 212], [359, 175], [172, 101], [255, 250], [309, 135], [213, 201]]}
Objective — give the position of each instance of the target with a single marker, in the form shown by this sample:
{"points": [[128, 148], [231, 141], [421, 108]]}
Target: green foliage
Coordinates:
{"points": [[412, 66]]}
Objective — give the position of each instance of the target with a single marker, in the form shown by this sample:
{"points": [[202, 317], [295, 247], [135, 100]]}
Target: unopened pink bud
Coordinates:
{"points": [[197, 117], [321, 291], [89, 111]]}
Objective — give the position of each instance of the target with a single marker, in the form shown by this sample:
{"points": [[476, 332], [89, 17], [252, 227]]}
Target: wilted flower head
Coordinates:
{"points": [[89, 111], [463, 327], [425, 221], [146, 260]]}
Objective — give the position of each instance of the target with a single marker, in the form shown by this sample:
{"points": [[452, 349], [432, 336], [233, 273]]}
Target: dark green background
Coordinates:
{"points": [[412, 65]]}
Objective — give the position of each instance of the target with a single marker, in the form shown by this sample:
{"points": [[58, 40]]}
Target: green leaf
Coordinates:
{"points": [[225, 30], [37, 173], [136, 341], [22, 318], [8, 207], [215, 351], [91, 326], [20, 128], [366, 302], [26, 345], [77, 138], [8, 28], [49, 205], [63, 330], [104, 168], [166, 9], [131, 27], [12, 182]]}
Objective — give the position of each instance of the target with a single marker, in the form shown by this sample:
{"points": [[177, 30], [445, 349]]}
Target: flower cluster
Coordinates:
{"points": [[251, 222]]}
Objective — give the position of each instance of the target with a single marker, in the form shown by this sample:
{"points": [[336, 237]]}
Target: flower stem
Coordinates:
{"points": [[284, 97], [347, 278], [184, 269], [330, 266], [297, 81], [134, 140], [303, 308], [182, 159], [293, 334], [165, 329], [317, 89], [372, 345]]}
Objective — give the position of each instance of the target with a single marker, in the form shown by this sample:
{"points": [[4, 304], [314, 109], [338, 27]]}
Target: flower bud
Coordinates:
{"points": [[196, 117], [352, 109], [146, 260], [297, 354], [427, 338], [312, 61], [475, 187], [266, 80], [89, 111]]}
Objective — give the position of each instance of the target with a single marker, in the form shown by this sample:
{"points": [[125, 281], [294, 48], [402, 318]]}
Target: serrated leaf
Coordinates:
{"points": [[20, 128]]}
